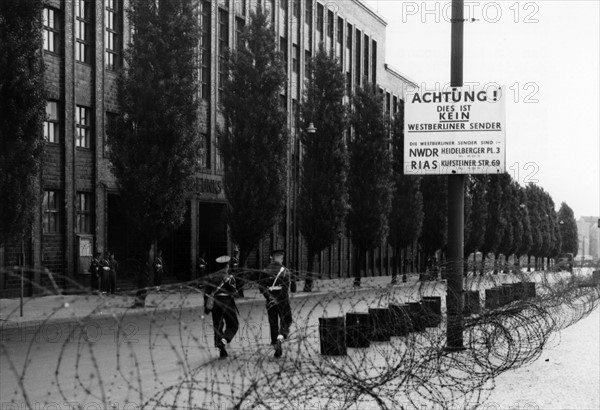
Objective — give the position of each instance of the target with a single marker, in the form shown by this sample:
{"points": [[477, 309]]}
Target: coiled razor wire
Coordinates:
{"points": [[163, 356]]}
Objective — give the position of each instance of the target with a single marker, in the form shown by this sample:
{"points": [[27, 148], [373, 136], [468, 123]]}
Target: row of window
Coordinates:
{"points": [[52, 206], [83, 125], [84, 31]]}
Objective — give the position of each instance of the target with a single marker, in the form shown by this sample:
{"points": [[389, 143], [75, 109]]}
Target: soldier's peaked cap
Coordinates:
{"points": [[223, 259], [278, 252]]}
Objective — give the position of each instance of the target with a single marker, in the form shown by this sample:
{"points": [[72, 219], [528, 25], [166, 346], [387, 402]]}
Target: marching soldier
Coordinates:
{"points": [[274, 286], [219, 299]]}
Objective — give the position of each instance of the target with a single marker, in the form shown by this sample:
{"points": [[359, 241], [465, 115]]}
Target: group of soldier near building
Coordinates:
{"points": [[219, 300]]}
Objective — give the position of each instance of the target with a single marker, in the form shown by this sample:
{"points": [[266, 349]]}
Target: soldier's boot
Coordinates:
{"points": [[222, 351], [279, 346]]}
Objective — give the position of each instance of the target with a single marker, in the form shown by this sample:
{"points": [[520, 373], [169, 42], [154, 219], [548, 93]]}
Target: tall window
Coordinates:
{"points": [[223, 44], [357, 61], [84, 212], [83, 31], [83, 124], [205, 27], [349, 31], [51, 125], [307, 58], [111, 34], [319, 27], [366, 60], [308, 23], [240, 7], [51, 212], [295, 58], [204, 154], [330, 37], [51, 30], [239, 28], [374, 61], [283, 48], [340, 41]]}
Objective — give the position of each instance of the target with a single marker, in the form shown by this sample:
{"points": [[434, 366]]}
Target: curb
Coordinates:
{"points": [[6, 324]]}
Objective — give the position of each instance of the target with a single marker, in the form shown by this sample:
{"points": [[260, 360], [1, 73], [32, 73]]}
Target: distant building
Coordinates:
{"points": [[587, 235], [83, 48]]}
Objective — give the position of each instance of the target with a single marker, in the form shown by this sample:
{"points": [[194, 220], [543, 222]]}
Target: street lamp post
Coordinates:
{"points": [[308, 282]]}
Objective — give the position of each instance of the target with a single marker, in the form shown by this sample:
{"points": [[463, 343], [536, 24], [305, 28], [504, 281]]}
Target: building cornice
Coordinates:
{"points": [[369, 10], [395, 73]]}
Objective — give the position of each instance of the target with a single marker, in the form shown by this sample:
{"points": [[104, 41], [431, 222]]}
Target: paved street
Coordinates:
{"points": [[121, 356], [163, 356]]}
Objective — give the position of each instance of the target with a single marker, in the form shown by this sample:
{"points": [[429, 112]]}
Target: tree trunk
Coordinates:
{"points": [[360, 260], [395, 264], [483, 256], [308, 281]]}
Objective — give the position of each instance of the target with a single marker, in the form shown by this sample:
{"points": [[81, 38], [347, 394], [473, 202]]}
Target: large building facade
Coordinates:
{"points": [[80, 210]]}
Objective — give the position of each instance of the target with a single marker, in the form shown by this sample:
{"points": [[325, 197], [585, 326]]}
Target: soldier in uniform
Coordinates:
{"points": [[143, 280], [274, 285], [221, 286], [237, 272], [95, 272], [159, 268], [201, 266], [104, 272], [112, 273]]}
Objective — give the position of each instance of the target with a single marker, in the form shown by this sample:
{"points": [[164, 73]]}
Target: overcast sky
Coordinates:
{"points": [[546, 53]]}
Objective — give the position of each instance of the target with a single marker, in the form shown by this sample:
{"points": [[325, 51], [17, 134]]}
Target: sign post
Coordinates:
{"points": [[456, 187]]}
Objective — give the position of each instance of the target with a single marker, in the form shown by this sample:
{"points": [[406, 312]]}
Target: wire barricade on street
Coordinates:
{"points": [[86, 347]]}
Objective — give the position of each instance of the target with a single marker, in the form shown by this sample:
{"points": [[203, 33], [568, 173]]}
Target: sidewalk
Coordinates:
{"points": [[76, 307], [65, 308]]}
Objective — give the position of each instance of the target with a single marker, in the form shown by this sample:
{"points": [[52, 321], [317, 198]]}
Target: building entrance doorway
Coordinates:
{"points": [[212, 233]]}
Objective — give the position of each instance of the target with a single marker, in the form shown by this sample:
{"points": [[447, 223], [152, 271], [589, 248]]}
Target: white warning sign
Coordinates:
{"points": [[459, 131]]}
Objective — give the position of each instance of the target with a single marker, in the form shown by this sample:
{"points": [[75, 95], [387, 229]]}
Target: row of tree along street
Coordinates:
{"points": [[350, 179]]}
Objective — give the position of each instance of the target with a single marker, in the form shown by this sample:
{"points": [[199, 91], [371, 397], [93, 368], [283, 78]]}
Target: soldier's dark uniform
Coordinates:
{"points": [[274, 284], [95, 272], [224, 313], [104, 272], [143, 280]]}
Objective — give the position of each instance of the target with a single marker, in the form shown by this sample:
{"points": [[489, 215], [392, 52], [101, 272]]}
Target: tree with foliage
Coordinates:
{"points": [[22, 104], [554, 230], [545, 227], [434, 235], [253, 141], [475, 215], [406, 216], [154, 143], [495, 222], [369, 178], [535, 217], [509, 205], [515, 221], [323, 199], [526, 237], [568, 229]]}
